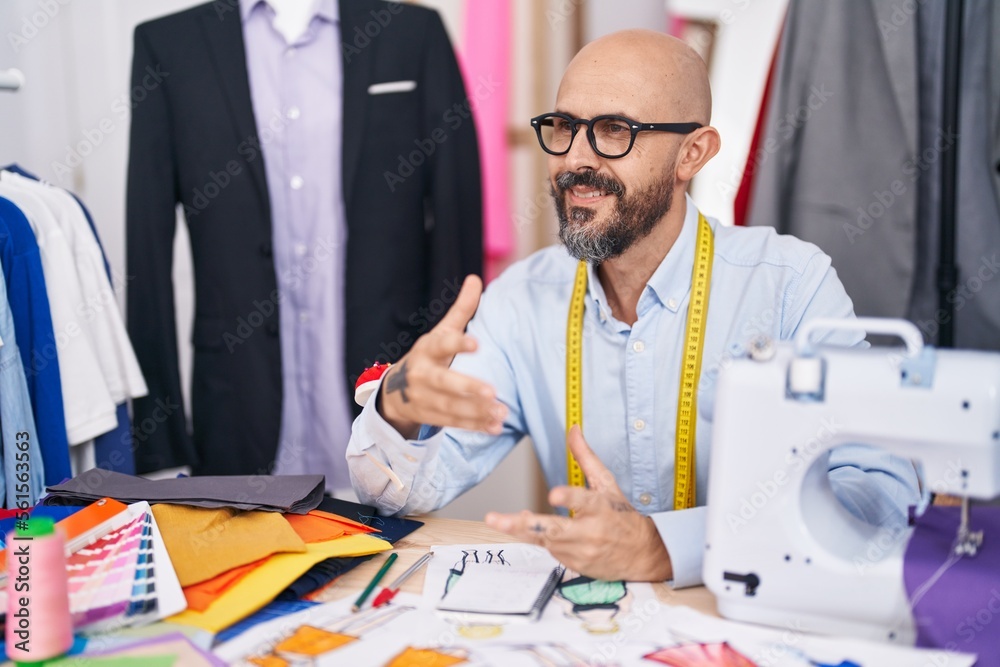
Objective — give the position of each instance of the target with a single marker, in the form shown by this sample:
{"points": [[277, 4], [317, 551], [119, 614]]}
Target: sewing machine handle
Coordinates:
{"points": [[876, 325]]}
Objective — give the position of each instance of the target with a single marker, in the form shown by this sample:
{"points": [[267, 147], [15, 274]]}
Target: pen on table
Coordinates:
{"points": [[389, 592], [374, 582]]}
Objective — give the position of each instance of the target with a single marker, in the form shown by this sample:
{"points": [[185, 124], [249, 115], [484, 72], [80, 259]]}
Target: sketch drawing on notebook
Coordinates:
{"points": [[473, 556], [595, 603]]}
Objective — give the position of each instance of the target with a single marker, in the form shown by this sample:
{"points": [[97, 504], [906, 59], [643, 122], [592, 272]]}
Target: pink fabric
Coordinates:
{"points": [[486, 68]]}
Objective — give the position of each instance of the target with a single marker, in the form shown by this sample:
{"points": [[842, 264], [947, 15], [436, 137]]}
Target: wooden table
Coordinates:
{"points": [[454, 531]]}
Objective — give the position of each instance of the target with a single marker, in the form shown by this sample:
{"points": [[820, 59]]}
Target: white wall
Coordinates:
{"points": [[745, 43], [69, 123]]}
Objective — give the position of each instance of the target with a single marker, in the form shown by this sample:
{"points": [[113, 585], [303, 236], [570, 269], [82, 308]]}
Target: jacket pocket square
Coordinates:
{"points": [[392, 87]]}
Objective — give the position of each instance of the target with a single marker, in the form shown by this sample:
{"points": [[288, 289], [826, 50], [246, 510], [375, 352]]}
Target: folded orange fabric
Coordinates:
{"points": [[364, 528], [199, 596], [318, 526], [204, 543]]}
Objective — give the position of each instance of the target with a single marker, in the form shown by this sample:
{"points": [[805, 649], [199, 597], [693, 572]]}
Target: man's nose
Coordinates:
{"points": [[581, 154]]}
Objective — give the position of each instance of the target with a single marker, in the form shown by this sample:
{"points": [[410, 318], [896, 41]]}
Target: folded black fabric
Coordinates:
{"points": [[320, 575], [296, 494], [392, 530]]}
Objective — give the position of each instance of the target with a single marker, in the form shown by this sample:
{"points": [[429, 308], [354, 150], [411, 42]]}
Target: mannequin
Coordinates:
{"points": [[292, 17], [247, 238]]}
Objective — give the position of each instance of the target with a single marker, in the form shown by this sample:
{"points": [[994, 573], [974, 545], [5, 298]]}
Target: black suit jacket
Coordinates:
{"points": [[412, 196]]}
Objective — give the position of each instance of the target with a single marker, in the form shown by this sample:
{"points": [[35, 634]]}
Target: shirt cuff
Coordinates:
{"points": [[683, 533], [378, 456]]}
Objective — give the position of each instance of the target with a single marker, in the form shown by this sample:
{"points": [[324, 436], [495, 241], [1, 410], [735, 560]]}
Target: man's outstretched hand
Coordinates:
{"points": [[606, 539], [422, 389]]}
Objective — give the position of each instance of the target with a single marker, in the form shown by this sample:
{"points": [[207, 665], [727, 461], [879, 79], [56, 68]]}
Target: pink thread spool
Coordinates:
{"points": [[39, 626]]}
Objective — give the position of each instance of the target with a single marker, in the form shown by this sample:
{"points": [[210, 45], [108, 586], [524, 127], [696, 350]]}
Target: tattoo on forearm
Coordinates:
{"points": [[397, 382]]}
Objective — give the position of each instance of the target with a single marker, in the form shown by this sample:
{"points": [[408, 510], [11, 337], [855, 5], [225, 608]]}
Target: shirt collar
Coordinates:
{"points": [[326, 9], [671, 281]]}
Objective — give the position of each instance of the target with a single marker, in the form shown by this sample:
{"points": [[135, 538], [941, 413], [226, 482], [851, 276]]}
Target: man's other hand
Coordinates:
{"points": [[606, 538]]}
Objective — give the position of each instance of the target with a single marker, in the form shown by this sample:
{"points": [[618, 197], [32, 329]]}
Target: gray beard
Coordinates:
{"points": [[633, 219]]}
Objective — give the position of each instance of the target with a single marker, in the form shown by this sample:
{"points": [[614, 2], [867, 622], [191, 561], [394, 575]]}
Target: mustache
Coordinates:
{"points": [[589, 179]]}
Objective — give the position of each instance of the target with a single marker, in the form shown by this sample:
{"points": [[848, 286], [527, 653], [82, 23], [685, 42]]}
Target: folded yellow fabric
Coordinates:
{"points": [[265, 582], [204, 543]]}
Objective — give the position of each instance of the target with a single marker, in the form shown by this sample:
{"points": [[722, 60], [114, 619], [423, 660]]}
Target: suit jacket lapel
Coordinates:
{"points": [[899, 45], [357, 61], [224, 35]]}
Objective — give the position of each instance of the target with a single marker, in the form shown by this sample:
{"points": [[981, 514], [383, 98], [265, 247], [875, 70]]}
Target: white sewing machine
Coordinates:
{"points": [[780, 548]]}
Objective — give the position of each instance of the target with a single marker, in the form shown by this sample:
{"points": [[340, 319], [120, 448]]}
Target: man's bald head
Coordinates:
{"points": [[646, 70]]}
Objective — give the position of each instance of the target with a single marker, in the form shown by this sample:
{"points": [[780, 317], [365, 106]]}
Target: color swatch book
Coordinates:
{"points": [[120, 573]]}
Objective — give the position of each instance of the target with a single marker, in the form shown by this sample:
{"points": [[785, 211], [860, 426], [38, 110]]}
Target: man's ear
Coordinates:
{"points": [[698, 148]]}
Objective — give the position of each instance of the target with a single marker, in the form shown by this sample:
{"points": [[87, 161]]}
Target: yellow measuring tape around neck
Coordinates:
{"points": [[687, 400]]}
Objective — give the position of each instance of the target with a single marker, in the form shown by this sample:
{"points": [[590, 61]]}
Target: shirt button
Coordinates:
{"points": [[638, 346], [639, 424], [672, 303], [645, 498], [410, 458], [290, 52], [301, 249], [296, 182], [303, 317], [293, 113]]}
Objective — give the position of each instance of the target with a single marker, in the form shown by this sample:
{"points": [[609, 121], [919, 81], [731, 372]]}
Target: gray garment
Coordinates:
{"points": [[839, 157], [977, 298], [294, 494]]}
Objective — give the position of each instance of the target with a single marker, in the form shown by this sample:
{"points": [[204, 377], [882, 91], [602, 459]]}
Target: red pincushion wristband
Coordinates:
{"points": [[367, 382]]}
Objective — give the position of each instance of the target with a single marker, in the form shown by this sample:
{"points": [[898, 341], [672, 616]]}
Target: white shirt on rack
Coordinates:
{"points": [[87, 403], [100, 314]]}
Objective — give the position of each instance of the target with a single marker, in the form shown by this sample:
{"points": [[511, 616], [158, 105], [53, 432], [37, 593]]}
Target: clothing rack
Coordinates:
{"points": [[11, 79], [948, 270]]}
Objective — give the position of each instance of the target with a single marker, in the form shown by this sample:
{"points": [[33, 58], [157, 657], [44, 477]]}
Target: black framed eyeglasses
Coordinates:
{"points": [[610, 136]]}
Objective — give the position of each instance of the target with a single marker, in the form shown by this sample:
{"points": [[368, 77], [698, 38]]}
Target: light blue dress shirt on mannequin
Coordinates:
{"points": [[762, 283]]}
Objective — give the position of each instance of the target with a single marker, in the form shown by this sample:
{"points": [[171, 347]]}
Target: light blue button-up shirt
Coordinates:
{"points": [[762, 283], [297, 93]]}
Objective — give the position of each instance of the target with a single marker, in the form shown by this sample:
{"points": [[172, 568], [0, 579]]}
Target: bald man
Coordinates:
{"points": [[629, 131]]}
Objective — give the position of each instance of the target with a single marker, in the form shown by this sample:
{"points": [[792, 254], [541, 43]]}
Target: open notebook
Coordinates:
{"points": [[485, 593]]}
